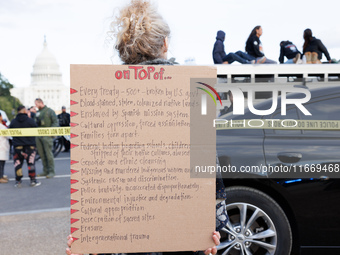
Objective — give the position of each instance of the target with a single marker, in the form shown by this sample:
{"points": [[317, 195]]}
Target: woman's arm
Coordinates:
{"points": [[324, 50], [282, 55], [256, 47]]}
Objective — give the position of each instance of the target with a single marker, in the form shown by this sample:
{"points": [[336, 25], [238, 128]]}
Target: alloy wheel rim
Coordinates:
{"points": [[250, 231]]}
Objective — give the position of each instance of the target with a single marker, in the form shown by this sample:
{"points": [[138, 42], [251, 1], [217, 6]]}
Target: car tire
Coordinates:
{"points": [[257, 225]]}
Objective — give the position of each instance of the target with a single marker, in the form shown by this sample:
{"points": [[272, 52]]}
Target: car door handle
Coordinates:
{"points": [[289, 157]]}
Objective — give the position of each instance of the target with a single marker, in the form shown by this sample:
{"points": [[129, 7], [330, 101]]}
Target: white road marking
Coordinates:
{"points": [[63, 209], [43, 177]]}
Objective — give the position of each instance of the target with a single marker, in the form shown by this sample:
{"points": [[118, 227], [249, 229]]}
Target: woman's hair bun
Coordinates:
{"points": [[140, 32]]}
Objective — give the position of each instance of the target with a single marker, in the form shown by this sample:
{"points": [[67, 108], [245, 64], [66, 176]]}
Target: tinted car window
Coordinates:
{"points": [[328, 109]]}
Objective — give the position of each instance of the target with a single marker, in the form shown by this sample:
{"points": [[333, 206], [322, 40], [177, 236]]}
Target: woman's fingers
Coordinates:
{"points": [[212, 250], [216, 238], [69, 241], [68, 251], [207, 251], [218, 234]]}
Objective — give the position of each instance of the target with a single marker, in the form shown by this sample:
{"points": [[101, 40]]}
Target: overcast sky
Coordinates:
{"points": [[76, 29]]}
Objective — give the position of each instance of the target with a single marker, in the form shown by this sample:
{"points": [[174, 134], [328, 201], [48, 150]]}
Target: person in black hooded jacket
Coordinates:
{"points": [[254, 47], [24, 147], [313, 48], [290, 51], [220, 57]]}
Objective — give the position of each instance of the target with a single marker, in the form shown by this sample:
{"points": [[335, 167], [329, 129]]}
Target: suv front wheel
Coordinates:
{"points": [[257, 225]]}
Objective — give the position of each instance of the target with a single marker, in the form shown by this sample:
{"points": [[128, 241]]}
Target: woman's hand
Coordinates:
{"points": [[216, 238], [69, 243]]}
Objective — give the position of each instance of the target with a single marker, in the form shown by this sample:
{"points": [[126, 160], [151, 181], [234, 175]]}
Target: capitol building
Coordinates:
{"points": [[46, 83]]}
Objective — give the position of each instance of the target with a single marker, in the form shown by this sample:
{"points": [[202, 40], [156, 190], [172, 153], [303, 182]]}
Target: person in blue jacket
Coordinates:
{"points": [[220, 57]]}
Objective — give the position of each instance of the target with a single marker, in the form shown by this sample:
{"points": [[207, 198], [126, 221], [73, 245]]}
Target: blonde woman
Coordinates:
{"points": [[142, 37]]}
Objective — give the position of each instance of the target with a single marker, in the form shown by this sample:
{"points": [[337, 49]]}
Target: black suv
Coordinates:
{"points": [[282, 216]]}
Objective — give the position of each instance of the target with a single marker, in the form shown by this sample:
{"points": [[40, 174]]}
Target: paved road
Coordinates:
{"points": [[35, 221]]}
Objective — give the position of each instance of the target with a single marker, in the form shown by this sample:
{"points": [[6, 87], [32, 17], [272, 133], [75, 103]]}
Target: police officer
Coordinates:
{"points": [[46, 117]]}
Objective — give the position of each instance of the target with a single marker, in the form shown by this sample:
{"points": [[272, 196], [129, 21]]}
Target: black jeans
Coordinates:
{"points": [[2, 168], [239, 56]]}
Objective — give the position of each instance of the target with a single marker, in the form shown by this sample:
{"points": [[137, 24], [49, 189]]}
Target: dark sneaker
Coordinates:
{"points": [[17, 184], [42, 174], [35, 183]]}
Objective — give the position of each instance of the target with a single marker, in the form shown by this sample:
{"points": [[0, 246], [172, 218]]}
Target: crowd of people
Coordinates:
{"points": [[25, 148], [312, 52]]}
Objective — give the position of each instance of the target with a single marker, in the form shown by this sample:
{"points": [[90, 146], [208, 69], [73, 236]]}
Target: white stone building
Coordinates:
{"points": [[46, 83]]}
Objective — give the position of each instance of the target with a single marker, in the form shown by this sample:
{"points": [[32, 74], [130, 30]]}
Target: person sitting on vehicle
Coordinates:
{"points": [[313, 48], [220, 57], [290, 51], [254, 47]]}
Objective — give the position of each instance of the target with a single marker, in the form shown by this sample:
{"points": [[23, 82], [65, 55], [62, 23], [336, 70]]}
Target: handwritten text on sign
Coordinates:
{"points": [[131, 186]]}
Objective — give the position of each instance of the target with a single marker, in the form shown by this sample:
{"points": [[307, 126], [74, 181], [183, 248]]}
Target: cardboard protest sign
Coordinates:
{"points": [[131, 189]]}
